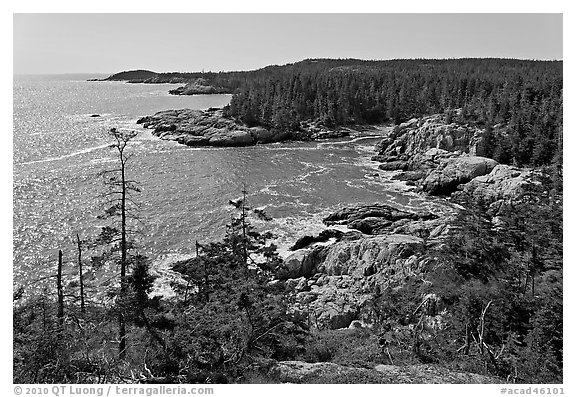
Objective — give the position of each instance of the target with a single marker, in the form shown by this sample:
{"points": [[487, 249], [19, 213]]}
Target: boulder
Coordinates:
{"points": [[410, 176], [504, 182], [370, 225], [301, 263], [432, 228], [455, 171], [337, 314], [192, 140], [395, 166], [359, 324], [263, 135], [377, 210], [232, 138], [324, 235], [382, 146], [368, 256], [333, 302], [298, 284], [352, 235], [384, 159]]}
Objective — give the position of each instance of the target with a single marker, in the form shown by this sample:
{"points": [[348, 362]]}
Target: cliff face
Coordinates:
{"points": [[434, 155], [418, 135]]}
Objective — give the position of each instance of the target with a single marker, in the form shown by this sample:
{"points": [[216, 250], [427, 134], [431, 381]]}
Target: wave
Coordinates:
{"points": [[273, 148], [269, 190], [320, 169], [47, 133], [165, 276], [104, 160], [348, 141], [80, 152]]}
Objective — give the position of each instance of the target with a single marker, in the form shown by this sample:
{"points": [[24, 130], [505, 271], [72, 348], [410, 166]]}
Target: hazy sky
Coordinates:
{"points": [[107, 43]]}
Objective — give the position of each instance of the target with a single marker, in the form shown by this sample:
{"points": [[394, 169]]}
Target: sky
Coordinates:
{"points": [[109, 43]]}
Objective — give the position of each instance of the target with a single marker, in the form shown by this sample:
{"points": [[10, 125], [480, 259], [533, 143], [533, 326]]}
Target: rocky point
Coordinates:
{"points": [[212, 128]]}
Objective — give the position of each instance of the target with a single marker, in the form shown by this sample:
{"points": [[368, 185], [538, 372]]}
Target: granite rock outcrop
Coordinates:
{"points": [[211, 127]]}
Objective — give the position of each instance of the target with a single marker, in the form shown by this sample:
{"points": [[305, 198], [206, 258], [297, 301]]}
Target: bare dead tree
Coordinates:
{"points": [[60, 290], [80, 274], [243, 218], [206, 281], [120, 206], [481, 328]]}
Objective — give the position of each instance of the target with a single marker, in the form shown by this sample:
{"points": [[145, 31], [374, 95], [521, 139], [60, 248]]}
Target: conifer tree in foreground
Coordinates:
{"points": [[120, 208]]}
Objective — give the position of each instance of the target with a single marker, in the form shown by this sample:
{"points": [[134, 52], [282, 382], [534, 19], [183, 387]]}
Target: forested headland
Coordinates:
{"points": [[523, 96], [521, 99]]}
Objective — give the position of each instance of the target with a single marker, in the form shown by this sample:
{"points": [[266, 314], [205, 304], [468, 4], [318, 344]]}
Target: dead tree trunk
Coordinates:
{"points": [[123, 263], [482, 327], [120, 189], [60, 290], [244, 242], [206, 291], [81, 275]]}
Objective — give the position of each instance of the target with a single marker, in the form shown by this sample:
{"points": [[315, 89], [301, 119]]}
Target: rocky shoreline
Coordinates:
{"points": [[332, 277], [193, 85], [334, 280], [335, 285], [211, 127]]}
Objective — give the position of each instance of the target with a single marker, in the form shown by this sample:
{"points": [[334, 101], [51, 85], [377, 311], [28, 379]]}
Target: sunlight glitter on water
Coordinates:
{"points": [[185, 190]]}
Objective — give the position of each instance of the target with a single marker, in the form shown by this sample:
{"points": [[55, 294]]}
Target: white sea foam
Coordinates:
{"points": [[103, 160], [146, 135], [162, 268], [348, 141], [289, 229], [319, 171], [46, 133], [289, 149], [78, 153], [268, 190]]}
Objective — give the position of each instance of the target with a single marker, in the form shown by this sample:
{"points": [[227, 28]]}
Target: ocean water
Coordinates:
{"points": [[59, 151]]}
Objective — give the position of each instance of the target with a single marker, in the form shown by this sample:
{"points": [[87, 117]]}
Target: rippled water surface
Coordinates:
{"points": [[59, 150]]}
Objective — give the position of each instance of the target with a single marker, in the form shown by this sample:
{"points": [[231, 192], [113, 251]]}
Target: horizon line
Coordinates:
{"points": [[291, 63]]}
